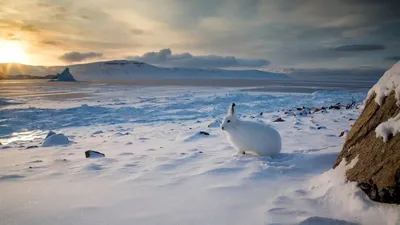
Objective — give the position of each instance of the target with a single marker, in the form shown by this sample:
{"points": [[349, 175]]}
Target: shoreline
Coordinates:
{"points": [[33, 88]]}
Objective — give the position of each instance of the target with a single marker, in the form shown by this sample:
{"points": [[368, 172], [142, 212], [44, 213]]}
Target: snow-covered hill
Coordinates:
{"points": [[124, 69]]}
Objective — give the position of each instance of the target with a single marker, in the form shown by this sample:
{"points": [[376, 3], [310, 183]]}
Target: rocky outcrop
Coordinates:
{"points": [[65, 76], [377, 170]]}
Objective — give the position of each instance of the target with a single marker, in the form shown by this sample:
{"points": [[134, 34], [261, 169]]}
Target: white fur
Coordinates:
{"points": [[251, 137]]}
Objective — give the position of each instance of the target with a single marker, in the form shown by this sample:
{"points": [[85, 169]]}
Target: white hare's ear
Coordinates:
{"points": [[231, 110]]}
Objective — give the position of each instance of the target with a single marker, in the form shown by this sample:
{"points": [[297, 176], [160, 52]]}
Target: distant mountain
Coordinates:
{"points": [[125, 69]]}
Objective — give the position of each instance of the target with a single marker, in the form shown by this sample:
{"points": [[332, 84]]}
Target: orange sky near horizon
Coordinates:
{"points": [[298, 34]]}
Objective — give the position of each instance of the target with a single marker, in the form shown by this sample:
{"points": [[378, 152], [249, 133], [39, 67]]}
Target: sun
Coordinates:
{"points": [[12, 52]]}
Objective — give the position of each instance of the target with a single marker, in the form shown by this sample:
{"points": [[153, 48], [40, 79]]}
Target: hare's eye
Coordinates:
{"points": [[228, 121]]}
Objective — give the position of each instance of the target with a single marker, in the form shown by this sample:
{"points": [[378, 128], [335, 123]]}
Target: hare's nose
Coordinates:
{"points": [[222, 128]]}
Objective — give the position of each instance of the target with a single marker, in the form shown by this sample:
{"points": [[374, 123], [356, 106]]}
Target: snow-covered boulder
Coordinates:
{"points": [[215, 124], [56, 140], [374, 140], [65, 76]]}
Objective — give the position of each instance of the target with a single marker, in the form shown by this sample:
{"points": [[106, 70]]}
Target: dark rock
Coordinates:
{"points": [[316, 110], [377, 171], [261, 113], [321, 128], [279, 120], [334, 107], [94, 154], [198, 121], [316, 220], [204, 133], [50, 134], [65, 76], [33, 146], [299, 109], [323, 108], [200, 152]]}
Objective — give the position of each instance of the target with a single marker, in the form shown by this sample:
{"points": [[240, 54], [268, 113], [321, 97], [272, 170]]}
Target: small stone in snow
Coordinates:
{"points": [[94, 154], [279, 120], [204, 133], [334, 107], [98, 132], [33, 146], [343, 133], [261, 113]]}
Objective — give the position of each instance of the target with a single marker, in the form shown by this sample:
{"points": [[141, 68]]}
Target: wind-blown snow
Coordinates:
{"points": [[159, 169]]}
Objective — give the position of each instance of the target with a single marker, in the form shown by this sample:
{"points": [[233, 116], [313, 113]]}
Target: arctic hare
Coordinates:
{"points": [[250, 137]]}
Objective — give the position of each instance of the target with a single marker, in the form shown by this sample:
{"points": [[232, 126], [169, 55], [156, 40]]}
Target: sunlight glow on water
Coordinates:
{"points": [[23, 136]]}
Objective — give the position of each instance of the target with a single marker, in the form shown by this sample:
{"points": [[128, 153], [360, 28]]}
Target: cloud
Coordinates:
{"points": [[393, 58], [137, 31], [280, 31], [165, 57], [368, 74], [78, 56], [360, 48], [30, 28]]}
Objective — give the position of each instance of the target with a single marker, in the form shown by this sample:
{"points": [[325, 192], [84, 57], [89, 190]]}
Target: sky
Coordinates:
{"points": [[207, 33]]}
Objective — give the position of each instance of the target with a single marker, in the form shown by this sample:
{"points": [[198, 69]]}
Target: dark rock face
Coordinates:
{"points": [[377, 171], [65, 76], [94, 154]]}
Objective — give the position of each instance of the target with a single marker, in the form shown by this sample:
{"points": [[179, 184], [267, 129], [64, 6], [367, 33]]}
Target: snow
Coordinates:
{"points": [[330, 196], [130, 70], [159, 169], [388, 128], [389, 82]]}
